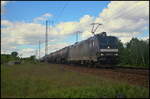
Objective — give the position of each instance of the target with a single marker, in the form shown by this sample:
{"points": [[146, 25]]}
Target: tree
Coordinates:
{"points": [[135, 53], [32, 57], [14, 54]]}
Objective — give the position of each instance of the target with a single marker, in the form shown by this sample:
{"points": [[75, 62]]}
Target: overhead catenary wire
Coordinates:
{"points": [[48, 28], [65, 7], [61, 12]]}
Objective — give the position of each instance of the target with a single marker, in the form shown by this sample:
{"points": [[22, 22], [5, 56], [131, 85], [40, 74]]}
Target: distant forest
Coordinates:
{"points": [[133, 53]]}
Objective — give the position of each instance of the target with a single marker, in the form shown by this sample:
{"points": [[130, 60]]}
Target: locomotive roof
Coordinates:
{"points": [[93, 37], [103, 34]]}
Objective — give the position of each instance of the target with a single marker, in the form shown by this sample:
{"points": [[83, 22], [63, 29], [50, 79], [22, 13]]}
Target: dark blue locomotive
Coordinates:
{"points": [[100, 49]]}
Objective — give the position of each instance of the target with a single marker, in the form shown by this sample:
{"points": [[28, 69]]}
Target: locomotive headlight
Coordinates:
{"points": [[102, 54], [116, 54]]}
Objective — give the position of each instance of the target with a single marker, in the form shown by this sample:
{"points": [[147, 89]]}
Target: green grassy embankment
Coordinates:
{"points": [[47, 80]]}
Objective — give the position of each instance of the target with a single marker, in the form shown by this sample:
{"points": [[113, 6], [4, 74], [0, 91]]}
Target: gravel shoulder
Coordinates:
{"points": [[134, 77]]}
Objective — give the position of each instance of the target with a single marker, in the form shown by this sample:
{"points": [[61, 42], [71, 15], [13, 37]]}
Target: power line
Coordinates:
{"points": [[61, 12], [48, 29]]}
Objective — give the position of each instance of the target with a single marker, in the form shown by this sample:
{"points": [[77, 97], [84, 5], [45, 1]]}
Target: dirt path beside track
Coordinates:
{"points": [[134, 77]]}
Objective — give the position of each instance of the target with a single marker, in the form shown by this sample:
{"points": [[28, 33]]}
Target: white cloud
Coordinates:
{"points": [[144, 38], [44, 17], [124, 19], [6, 23], [86, 19], [51, 48], [47, 15], [15, 34], [65, 28], [57, 46], [26, 52], [20, 33], [86, 34]]}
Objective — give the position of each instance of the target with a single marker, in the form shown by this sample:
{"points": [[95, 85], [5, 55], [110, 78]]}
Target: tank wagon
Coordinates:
{"points": [[100, 48]]}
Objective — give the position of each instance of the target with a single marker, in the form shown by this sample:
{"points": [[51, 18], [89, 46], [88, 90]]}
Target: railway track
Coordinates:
{"points": [[108, 66], [135, 76], [136, 68], [118, 69]]}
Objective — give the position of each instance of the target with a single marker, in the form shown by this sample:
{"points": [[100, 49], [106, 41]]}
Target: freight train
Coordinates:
{"points": [[100, 48]]}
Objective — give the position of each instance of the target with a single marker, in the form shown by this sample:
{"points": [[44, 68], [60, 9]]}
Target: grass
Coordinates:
{"points": [[52, 81], [133, 65]]}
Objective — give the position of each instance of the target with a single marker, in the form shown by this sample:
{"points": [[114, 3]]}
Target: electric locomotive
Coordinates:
{"points": [[100, 48]]}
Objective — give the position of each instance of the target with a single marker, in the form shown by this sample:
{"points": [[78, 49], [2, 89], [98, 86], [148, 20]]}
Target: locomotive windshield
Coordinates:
{"points": [[107, 41]]}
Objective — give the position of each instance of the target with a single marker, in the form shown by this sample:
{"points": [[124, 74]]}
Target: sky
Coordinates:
{"points": [[23, 23]]}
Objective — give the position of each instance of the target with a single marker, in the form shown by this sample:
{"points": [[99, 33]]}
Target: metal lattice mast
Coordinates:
{"points": [[77, 33], [46, 39], [77, 37], [39, 48], [36, 53]]}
